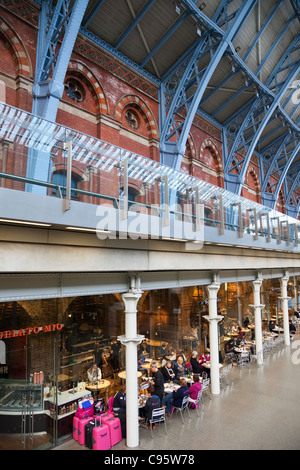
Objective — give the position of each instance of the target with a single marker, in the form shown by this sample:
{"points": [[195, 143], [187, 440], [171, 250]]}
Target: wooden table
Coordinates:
{"points": [[99, 385], [122, 374], [207, 365]]}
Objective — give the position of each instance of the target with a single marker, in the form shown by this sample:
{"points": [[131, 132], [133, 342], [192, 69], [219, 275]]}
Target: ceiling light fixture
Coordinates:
{"points": [[198, 30], [177, 7], [94, 230], [38, 224]]}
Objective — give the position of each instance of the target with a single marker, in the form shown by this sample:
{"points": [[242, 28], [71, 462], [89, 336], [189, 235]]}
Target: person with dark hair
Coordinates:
{"points": [[292, 328], [168, 372], [157, 381], [152, 403], [119, 403], [196, 387]]}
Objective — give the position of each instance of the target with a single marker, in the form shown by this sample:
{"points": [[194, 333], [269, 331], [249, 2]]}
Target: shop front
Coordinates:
{"points": [[47, 348]]}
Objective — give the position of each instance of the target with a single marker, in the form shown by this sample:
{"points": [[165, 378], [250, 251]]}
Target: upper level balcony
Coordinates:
{"points": [[59, 178]]}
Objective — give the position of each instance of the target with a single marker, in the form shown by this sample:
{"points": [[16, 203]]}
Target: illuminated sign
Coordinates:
{"points": [[28, 331]]}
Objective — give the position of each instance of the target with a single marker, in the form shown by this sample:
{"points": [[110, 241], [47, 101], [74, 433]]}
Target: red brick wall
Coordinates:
{"points": [[110, 88]]}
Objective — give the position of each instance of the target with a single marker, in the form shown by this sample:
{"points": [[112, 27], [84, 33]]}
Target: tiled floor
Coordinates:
{"points": [[259, 410]]}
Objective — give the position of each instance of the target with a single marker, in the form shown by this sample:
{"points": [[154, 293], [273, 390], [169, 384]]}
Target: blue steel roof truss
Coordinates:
{"points": [[183, 88]]}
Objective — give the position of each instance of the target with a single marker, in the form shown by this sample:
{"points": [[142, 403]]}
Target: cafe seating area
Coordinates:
{"points": [[217, 419]]}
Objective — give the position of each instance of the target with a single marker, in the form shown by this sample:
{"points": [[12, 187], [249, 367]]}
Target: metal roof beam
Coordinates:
{"points": [[172, 151], [94, 12], [165, 38], [235, 181], [134, 23]]}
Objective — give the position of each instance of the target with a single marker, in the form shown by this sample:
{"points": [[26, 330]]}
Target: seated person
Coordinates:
{"points": [[271, 326], [152, 403], [204, 358], [175, 398], [180, 368], [195, 388], [292, 328], [163, 349], [236, 341], [194, 363], [241, 334], [119, 403], [168, 372], [94, 373], [229, 349], [229, 346], [141, 361]]}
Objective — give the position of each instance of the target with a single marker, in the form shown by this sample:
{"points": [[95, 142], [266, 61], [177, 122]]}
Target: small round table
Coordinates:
{"points": [[122, 374], [99, 385]]}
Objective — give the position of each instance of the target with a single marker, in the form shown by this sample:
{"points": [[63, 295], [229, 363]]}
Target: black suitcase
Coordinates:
{"points": [[122, 416], [88, 429]]}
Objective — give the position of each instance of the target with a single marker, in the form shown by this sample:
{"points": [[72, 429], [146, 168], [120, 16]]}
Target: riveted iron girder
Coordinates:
{"points": [[181, 92], [245, 130]]}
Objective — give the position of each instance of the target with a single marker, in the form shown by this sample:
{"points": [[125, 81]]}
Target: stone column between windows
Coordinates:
{"points": [[131, 340], [257, 316], [213, 319], [285, 308]]}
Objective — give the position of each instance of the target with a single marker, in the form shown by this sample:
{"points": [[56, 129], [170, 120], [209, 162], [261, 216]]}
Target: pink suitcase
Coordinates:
{"points": [[81, 429], [105, 417], [75, 427], [115, 430], [101, 436]]}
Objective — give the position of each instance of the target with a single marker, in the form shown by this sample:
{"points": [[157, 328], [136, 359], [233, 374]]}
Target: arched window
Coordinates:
{"points": [[60, 178], [132, 195]]}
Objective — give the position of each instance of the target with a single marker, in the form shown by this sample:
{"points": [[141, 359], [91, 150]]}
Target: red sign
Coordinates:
{"points": [[28, 331]]}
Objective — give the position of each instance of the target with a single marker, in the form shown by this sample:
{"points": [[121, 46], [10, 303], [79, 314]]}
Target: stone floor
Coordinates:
{"points": [[259, 410]]}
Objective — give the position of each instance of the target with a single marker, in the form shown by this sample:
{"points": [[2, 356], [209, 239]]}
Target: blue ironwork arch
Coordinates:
{"points": [[214, 41], [256, 117]]}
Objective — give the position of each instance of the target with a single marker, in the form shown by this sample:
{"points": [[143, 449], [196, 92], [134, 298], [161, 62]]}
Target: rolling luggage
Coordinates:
{"points": [[81, 429], [89, 434], [75, 427], [101, 436], [105, 417], [114, 425], [122, 418]]}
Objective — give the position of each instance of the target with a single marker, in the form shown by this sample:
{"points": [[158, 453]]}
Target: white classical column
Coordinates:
{"points": [[285, 308], [213, 318], [257, 316], [131, 340]]}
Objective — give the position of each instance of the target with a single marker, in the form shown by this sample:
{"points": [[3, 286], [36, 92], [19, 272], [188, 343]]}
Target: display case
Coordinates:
{"points": [[17, 394]]}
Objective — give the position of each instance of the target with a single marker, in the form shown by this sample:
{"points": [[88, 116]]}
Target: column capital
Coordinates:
{"points": [[131, 297], [125, 340], [217, 318], [257, 306], [257, 282], [213, 289], [284, 279]]}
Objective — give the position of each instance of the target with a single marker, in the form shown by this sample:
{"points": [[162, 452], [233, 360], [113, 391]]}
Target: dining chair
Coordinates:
{"points": [[184, 407], [197, 402], [244, 360], [158, 416], [206, 387], [223, 376]]}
